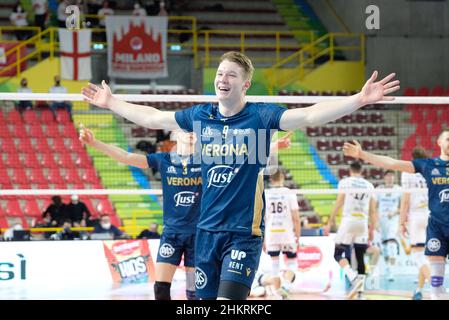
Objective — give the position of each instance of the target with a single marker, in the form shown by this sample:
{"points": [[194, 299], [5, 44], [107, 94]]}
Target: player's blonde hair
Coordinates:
{"points": [[242, 60]]}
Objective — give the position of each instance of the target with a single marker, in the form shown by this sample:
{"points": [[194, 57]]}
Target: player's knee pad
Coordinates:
{"points": [[233, 290], [290, 255], [437, 273], [419, 258], [340, 251], [190, 285], [162, 290], [274, 253], [360, 250]]}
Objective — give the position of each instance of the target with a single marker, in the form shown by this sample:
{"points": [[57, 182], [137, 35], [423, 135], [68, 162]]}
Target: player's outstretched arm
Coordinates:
{"points": [[144, 116], [355, 150], [327, 111], [132, 159], [403, 214]]}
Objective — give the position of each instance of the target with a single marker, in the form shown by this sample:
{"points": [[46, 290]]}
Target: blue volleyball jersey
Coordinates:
{"points": [[436, 173], [234, 152], [181, 191]]}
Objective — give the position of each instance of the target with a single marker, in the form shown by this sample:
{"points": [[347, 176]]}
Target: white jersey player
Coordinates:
{"points": [[356, 226], [388, 213], [282, 223], [414, 215]]}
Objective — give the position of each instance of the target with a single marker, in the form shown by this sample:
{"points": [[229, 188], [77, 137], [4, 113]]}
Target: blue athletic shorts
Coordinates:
{"points": [[224, 256], [173, 245]]}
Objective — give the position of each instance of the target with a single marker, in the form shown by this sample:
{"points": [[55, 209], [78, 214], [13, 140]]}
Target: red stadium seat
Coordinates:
{"points": [[75, 145], [4, 133], [328, 131], [361, 117], [409, 91], [58, 145], [387, 131], [313, 131], [384, 145], [376, 117], [337, 145], [51, 131], [342, 131], [373, 131], [90, 176], [437, 91], [19, 131], [41, 146], [13, 209], [35, 131], [322, 145], [63, 116], [54, 176], [37, 177], [115, 220], [71, 176], [4, 177], [13, 161], [30, 160], [334, 159], [48, 161], [30, 117], [423, 91], [83, 161], [368, 145], [105, 207], [31, 209], [69, 131], [65, 161], [24, 145], [14, 117], [47, 117], [357, 131], [19, 176], [348, 160], [7, 146], [375, 173], [4, 223], [342, 173]]}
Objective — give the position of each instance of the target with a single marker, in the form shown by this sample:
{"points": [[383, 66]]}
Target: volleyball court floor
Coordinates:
{"points": [[400, 289]]}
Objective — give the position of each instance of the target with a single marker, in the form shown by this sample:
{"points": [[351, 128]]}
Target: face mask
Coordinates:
{"points": [[106, 225]]}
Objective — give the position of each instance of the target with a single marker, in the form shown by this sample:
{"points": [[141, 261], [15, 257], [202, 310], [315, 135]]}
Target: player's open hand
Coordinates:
{"points": [[86, 136], [352, 150], [373, 92], [284, 142], [99, 96]]}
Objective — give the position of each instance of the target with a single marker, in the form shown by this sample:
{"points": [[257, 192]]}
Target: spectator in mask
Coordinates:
{"points": [[106, 226]]}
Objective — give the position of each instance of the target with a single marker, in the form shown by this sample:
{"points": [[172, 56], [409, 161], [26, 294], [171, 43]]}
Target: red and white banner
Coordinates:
{"points": [[137, 47], [11, 58], [75, 54]]}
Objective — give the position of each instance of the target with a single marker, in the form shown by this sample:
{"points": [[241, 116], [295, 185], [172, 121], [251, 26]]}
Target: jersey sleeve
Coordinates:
{"points": [[270, 115], [185, 118], [342, 184], [419, 165], [293, 201], [154, 160]]}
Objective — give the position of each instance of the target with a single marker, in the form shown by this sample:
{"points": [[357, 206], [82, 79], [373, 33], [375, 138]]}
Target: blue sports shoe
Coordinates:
{"points": [[417, 295]]}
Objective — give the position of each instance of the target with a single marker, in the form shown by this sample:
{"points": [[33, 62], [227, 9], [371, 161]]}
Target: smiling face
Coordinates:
{"points": [[233, 77], [230, 84]]}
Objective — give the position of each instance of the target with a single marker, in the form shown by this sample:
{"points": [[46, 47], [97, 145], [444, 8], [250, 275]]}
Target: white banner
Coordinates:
{"points": [[137, 47], [75, 54]]}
